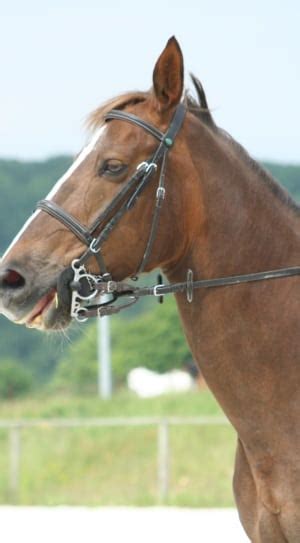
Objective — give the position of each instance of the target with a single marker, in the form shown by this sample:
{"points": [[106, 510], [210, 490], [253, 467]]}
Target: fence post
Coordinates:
{"points": [[163, 460], [14, 462]]}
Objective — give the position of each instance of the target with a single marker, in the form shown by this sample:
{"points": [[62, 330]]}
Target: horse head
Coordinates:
{"points": [[107, 195]]}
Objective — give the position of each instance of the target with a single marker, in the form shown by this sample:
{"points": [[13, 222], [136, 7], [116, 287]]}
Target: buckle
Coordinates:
{"points": [[111, 286], [160, 193], [155, 293], [160, 296], [93, 246], [189, 286], [147, 166]]}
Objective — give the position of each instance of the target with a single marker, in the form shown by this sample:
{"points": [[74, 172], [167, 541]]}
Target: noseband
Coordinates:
{"points": [[87, 288]]}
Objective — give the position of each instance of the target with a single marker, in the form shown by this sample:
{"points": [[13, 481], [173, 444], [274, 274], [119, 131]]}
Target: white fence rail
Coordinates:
{"points": [[163, 443]]}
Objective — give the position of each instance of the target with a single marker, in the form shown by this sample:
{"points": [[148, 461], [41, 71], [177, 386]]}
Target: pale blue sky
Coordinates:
{"points": [[61, 58]]}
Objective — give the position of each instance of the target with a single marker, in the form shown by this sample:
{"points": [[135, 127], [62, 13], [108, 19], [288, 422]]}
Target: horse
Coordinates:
{"points": [[160, 185]]}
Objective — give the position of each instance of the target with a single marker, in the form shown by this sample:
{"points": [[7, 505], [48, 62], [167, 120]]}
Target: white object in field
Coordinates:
{"points": [[147, 383]]}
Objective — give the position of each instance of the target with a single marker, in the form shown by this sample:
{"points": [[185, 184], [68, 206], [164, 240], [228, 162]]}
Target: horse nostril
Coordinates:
{"points": [[12, 279]]}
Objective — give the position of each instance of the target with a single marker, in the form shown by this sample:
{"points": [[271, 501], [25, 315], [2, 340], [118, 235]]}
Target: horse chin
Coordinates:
{"points": [[56, 319]]}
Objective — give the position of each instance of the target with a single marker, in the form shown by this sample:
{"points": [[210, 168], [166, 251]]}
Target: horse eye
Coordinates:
{"points": [[112, 167]]}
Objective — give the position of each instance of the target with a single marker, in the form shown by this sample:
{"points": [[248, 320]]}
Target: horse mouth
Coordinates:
{"points": [[37, 317], [52, 309]]}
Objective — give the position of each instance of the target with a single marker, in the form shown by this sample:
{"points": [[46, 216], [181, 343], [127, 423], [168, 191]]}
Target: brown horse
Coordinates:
{"points": [[221, 215]]}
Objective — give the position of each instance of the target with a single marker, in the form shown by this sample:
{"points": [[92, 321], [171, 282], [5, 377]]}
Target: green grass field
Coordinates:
{"points": [[118, 466]]}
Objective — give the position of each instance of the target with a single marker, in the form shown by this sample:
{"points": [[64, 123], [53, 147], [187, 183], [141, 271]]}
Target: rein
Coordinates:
{"points": [[87, 288], [188, 286]]}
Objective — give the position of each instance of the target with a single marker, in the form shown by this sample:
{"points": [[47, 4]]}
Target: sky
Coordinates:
{"points": [[62, 58]]}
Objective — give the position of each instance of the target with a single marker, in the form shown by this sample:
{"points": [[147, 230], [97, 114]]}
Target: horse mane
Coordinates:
{"points": [[199, 107]]}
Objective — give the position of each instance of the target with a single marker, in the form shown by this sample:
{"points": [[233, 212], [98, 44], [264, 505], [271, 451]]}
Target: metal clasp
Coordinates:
{"points": [[111, 287], [189, 286], [160, 193], [147, 165], [93, 247], [155, 293]]}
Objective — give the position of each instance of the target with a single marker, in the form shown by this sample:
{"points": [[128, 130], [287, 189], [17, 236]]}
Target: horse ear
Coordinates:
{"points": [[168, 75]]}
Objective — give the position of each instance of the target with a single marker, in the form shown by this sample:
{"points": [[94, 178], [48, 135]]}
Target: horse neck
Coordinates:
{"points": [[246, 227], [239, 220]]}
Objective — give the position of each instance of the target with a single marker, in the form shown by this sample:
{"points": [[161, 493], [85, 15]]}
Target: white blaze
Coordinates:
{"points": [[81, 157]]}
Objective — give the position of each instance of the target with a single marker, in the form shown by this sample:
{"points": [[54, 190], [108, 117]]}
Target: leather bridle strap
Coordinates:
{"points": [[161, 290], [133, 119], [58, 213], [120, 289], [160, 196]]}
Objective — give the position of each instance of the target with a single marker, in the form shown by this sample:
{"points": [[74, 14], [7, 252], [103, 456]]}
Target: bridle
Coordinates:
{"points": [[88, 288]]}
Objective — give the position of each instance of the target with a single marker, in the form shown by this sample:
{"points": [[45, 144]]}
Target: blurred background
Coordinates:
{"points": [[58, 62]]}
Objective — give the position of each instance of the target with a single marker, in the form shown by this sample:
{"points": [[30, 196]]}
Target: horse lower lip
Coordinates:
{"points": [[40, 307]]}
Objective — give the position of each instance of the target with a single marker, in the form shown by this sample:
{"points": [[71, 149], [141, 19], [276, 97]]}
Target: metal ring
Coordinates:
{"points": [[93, 293], [78, 317], [74, 264]]}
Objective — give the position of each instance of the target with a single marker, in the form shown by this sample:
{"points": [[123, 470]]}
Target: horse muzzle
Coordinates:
{"points": [[32, 299]]}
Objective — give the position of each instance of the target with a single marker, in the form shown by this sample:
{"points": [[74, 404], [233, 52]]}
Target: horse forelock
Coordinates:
{"points": [[97, 117]]}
